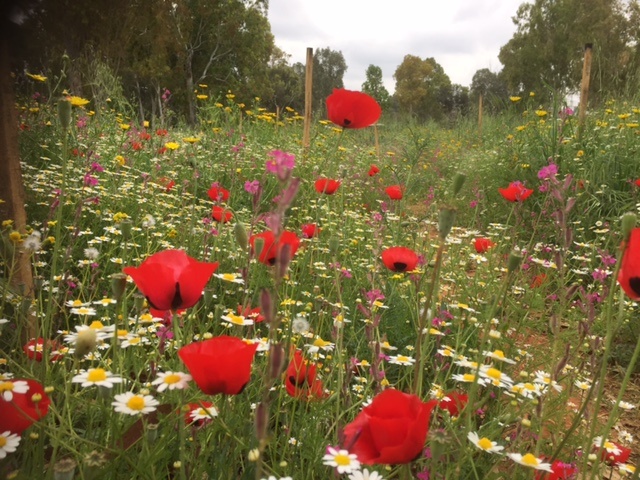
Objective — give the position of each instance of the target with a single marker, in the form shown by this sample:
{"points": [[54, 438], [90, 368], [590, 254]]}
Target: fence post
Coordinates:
{"points": [[308, 96], [584, 87]]}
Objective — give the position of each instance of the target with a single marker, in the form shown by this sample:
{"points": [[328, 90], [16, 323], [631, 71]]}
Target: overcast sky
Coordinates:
{"points": [[462, 35]]}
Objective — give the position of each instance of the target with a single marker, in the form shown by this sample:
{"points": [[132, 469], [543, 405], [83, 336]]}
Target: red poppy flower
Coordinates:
{"points": [[166, 183], [391, 430], [538, 280], [482, 245], [270, 249], [253, 313], [162, 150], [515, 192], [454, 403], [351, 109], [144, 136], [35, 348], [400, 259], [560, 471], [310, 230], [24, 408], [327, 186], [136, 146], [394, 192], [218, 194], [161, 132], [629, 275], [221, 214], [171, 279], [300, 379], [373, 170], [616, 457], [219, 365], [637, 182]]}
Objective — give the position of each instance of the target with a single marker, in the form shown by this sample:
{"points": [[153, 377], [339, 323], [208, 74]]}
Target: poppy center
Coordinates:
{"points": [[136, 403], [97, 375], [346, 122], [399, 266], [634, 283], [177, 298]]}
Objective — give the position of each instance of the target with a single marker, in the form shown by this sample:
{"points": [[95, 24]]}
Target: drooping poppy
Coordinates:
{"points": [[629, 275], [454, 403], [23, 409], [400, 259], [219, 365], [270, 249], [310, 230], [515, 192], [327, 186], [351, 109], [171, 279], [218, 194], [221, 214], [394, 192], [559, 471], [253, 313], [482, 245], [373, 170], [35, 348], [300, 379], [391, 430]]}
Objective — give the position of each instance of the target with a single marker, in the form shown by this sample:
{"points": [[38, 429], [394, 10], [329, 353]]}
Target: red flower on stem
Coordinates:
{"points": [[373, 170], [351, 109], [272, 247], [199, 413], [23, 409], [221, 214], [400, 259], [310, 230], [327, 186], [394, 192], [454, 403], [515, 192], [482, 245], [391, 430], [637, 182], [300, 379], [629, 275], [219, 365], [560, 471], [167, 183], [218, 194], [618, 455], [171, 279], [253, 313], [34, 349]]}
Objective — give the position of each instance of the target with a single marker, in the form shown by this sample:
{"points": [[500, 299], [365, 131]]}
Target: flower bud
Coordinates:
{"points": [[266, 305], [86, 342], [125, 228], [262, 421], [241, 235], [514, 261], [276, 360], [628, 223], [64, 113], [446, 217], [458, 182], [258, 245], [334, 245], [118, 285]]}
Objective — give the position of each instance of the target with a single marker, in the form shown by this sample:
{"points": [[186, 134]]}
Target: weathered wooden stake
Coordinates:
{"points": [[377, 139], [480, 117], [584, 87], [308, 91]]}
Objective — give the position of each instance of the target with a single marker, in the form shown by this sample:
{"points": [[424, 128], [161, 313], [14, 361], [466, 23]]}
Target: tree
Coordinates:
{"points": [[374, 86], [286, 83], [492, 88], [545, 53], [423, 88], [329, 67]]}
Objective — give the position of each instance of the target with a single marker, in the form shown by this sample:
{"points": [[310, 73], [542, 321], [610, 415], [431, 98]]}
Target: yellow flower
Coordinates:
{"points": [[202, 85], [15, 236], [624, 116], [191, 139], [120, 160], [202, 97], [77, 101], [118, 217], [532, 94], [125, 126], [541, 113], [145, 124], [230, 96], [37, 78], [520, 128], [172, 145], [515, 99], [219, 105]]}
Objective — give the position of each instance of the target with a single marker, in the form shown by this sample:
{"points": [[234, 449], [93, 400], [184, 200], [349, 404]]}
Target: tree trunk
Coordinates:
{"points": [[11, 186]]}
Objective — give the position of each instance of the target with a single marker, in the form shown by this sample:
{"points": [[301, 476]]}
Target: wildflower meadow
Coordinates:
{"points": [[391, 301]]}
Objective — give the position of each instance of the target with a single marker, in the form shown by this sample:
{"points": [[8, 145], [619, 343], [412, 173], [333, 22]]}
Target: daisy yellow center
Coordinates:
{"points": [[3, 441], [469, 377], [6, 386], [530, 460], [77, 303], [494, 373], [122, 333], [529, 386], [498, 353], [134, 341], [342, 460], [402, 358], [97, 375], [447, 352], [229, 277], [96, 325], [484, 443], [172, 378], [136, 403], [201, 411], [609, 445], [318, 342]]}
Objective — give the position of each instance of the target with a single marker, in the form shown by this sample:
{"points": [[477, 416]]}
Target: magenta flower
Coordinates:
{"points": [[548, 171]]}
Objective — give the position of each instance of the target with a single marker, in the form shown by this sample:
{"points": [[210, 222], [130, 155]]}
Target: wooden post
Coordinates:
{"points": [[584, 87], [377, 139], [480, 116], [308, 96]]}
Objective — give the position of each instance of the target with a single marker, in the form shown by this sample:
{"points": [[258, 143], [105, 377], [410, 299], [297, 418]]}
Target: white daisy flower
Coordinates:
{"points": [[230, 277], [484, 443], [498, 355], [134, 341], [203, 413], [134, 404], [8, 388], [469, 378], [87, 311], [8, 443], [545, 379], [342, 460], [76, 303], [172, 381], [105, 302], [96, 376], [495, 376], [401, 360], [531, 461], [271, 477], [234, 319], [627, 468], [607, 445], [365, 475]]}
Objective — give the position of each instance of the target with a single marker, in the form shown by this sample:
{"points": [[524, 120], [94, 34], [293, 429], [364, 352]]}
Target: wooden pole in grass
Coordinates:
{"points": [[480, 117], [584, 87], [308, 90]]}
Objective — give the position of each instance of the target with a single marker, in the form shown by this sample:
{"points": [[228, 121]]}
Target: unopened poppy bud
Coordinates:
{"points": [[241, 235], [258, 245], [446, 217], [86, 342], [118, 285], [628, 223], [334, 245], [152, 432], [262, 421], [138, 301], [266, 305], [283, 260], [514, 261], [458, 182], [208, 295], [64, 113], [125, 228], [276, 360]]}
